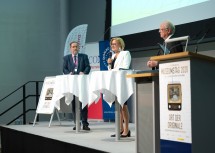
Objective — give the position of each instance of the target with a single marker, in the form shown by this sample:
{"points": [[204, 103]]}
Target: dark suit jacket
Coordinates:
{"points": [[174, 47], [83, 64]]}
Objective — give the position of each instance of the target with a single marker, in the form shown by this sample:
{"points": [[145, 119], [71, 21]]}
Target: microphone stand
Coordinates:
{"points": [[196, 48]]}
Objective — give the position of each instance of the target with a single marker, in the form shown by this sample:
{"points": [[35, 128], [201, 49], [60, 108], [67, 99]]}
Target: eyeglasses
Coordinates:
{"points": [[113, 44], [163, 29]]}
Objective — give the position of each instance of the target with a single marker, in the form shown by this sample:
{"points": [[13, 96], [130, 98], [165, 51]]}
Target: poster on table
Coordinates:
{"points": [[175, 101], [46, 103]]}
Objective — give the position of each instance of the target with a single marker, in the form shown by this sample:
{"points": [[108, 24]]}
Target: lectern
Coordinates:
{"points": [[147, 138], [186, 86]]}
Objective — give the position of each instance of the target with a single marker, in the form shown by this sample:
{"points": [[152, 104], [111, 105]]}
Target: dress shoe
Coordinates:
{"points": [[114, 135], [74, 128], [128, 135], [85, 127]]}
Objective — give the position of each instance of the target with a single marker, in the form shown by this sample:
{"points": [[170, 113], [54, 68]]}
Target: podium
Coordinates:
{"points": [[147, 111], [186, 83]]}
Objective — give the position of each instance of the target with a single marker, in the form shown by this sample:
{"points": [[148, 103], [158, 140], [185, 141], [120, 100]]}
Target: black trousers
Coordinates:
{"points": [[83, 113]]}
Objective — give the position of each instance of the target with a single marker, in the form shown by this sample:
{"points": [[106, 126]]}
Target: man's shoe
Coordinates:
{"points": [[85, 127], [74, 128]]}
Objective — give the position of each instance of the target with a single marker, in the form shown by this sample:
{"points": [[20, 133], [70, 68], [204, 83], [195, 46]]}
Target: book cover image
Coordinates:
{"points": [[49, 94], [174, 94]]}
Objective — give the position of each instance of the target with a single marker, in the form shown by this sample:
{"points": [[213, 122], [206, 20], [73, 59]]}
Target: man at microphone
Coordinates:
{"points": [[120, 59], [77, 64], [167, 30]]}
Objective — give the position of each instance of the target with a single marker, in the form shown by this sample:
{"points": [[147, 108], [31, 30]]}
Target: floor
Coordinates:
{"points": [[98, 137]]}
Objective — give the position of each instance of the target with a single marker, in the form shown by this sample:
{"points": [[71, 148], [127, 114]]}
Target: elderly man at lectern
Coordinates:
{"points": [[77, 64], [167, 30]]}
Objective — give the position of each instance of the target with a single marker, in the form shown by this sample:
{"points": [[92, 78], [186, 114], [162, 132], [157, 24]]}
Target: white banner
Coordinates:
{"points": [[175, 101], [77, 34], [92, 50]]}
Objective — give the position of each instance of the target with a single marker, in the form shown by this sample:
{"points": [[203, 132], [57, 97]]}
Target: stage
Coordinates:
{"points": [[61, 138]]}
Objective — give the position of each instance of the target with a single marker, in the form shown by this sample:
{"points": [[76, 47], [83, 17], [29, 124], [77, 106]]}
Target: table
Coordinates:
{"points": [[69, 86], [115, 87]]}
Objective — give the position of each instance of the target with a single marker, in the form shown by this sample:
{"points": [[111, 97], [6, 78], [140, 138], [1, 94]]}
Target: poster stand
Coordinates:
{"points": [[46, 103]]}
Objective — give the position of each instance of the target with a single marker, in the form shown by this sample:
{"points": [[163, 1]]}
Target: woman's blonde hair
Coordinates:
{"points": [[120, 41]]}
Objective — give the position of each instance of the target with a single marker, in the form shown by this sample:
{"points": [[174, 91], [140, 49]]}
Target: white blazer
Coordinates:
{"points": [[123, 60]]}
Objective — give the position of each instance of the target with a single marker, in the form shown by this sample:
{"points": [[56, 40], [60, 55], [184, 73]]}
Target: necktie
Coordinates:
{"points": [[75, 59], [76, 65]]}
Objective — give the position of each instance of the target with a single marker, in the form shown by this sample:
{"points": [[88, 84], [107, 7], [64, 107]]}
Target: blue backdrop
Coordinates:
{"points": [[104, 52]]}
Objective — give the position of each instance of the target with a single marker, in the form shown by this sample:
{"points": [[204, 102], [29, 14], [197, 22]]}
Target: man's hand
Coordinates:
{"points": [[152, 64]]}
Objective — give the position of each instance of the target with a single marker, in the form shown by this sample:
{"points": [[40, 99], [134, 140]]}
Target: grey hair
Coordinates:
{"points": [[170, 26]]}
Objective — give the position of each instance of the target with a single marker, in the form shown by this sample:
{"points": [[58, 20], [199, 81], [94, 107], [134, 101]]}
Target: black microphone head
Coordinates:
{"points": [[110, 54]]}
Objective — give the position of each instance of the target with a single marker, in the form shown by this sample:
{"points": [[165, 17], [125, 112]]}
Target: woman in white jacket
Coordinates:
{"points": [[120, 59]]}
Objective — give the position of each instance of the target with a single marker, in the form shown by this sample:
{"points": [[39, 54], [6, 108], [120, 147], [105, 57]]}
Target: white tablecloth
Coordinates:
{"points": [[88, 88], [69, 85], [113, 84]]}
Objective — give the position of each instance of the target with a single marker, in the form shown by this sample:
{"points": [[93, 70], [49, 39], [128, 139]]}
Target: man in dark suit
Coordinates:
{"points": [[77, 64], [167, 30]]}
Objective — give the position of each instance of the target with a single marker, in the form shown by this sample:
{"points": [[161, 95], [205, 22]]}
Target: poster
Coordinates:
{"points": [[175, 101], [46, 103]]}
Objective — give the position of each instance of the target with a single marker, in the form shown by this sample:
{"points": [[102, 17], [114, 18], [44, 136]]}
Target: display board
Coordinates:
{"points": [[175, 101], [46, 103]]}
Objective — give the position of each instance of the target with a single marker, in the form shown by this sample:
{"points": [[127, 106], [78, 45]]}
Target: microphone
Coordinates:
{"points": [[109, 64], [110, 54], [200, 40], [179, 44]]}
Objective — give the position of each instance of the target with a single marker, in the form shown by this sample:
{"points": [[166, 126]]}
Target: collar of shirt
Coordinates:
{"points": [[74, 55], [168, 37]]}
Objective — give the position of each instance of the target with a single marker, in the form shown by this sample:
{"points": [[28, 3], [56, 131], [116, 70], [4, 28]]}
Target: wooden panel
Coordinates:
{"points": [[142, 75], [182, 55]]}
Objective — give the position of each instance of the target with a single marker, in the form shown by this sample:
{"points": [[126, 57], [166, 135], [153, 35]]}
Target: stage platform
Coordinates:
{"points": [[61, 138]]}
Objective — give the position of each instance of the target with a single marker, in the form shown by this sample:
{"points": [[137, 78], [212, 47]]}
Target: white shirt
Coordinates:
{"points": [[123, 60]]}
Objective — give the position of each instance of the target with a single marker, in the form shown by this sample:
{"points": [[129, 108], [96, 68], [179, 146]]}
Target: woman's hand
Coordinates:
{"points": [[109, 61]]}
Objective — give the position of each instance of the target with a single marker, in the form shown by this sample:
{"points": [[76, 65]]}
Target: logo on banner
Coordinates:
{"points": [[77, 34], [105, 56], [104, 53]]}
